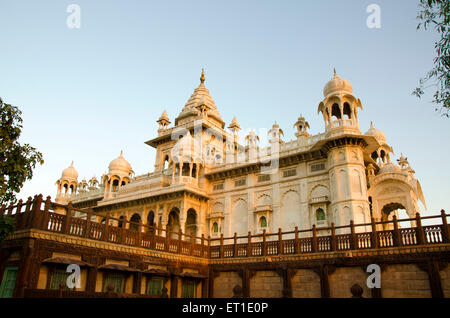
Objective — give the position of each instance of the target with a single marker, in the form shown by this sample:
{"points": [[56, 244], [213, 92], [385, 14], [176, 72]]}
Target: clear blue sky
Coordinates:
{"points": [[88, 93]]}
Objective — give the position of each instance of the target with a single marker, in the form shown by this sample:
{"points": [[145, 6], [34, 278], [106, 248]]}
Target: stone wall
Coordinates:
{"points": [[445, 281], [266, 284], [305, 284], [224, 284], [344, 278], [404, 280]]}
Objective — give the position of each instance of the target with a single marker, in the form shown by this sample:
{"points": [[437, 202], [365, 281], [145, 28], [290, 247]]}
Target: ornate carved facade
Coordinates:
{"points": [[206, 182]]}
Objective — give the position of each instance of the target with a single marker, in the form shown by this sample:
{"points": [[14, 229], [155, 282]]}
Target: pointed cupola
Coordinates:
{"points": [[200, 104]]}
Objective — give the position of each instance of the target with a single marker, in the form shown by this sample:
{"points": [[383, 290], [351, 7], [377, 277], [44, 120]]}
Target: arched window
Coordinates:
{"points": [[151, 218], [383, 155], [186, 168], [262, 222], [121, 222], [135, 218], [173, 221], [215, 227], [150, 221], [336, 111], [191, 222], [166, 162], [320, 214], [374, 155], [71, 188], [347, 111], [115, 185]]}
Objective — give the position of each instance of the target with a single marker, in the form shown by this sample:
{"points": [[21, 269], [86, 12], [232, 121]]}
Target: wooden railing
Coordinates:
{"points": [[49, 216], [54, 217]]}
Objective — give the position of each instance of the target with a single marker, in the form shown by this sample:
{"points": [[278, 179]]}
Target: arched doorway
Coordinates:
{"points": [[150, 221], [173, 222], [191, 222], [121, 221], [388, 211], [134, 225]]}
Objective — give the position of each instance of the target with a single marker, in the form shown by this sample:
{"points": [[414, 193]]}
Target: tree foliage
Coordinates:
{"points": [[16, 161], [436, 13], [6, 226]]}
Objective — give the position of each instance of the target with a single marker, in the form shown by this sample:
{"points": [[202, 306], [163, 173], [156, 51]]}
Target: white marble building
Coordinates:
{"points": [[205, 182]]}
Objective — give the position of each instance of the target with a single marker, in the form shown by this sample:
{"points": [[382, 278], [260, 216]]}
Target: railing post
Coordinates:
{"points": [[314, 239], [280, 241], [37, 213], [10, 208], [167, 238], [31, 215], [192, 244], [420, 235], [154, 229], [27, 207], [180, 238], [209, 246], [123, 233], [87, 229], [105, 232], [21, 220], [203, 242], [374, 233], [397, 236], [139, 234], [333, 237], [445, 230], [249, 244], [44, 218], [353, 241], [19, 206], [18, 209], [235, 253], [296, 242], [264, 247], [68, 219], [221, 246]]}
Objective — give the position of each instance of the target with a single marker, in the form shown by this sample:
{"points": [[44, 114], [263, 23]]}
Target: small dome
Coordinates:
{"points": [[120, 165], [378, 134], [390, 168], [337, 84], [69, 173]]}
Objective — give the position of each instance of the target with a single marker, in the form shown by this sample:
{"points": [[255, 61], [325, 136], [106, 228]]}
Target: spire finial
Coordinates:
{"points": [[334, 70], [121, 153], [71, 164], [202, 78]]}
